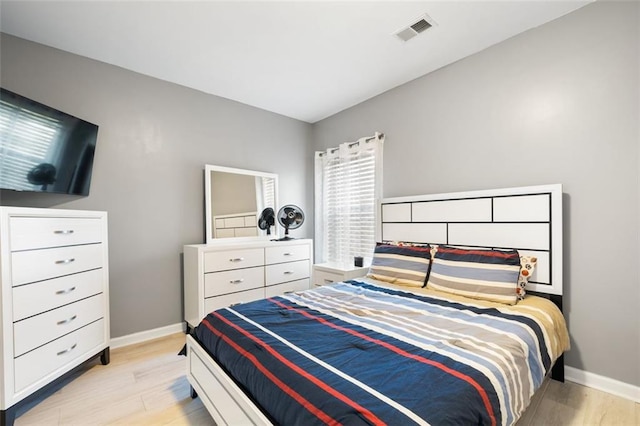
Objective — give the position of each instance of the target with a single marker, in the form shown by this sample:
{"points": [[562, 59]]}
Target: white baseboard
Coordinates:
{"points": [[605, 384], [143, 336]]}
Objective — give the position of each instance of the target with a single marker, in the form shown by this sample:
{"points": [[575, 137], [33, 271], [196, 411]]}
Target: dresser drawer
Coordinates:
{"points": [[288, 253], [32, 299], [280, 289], [37, 364], [36, 265], [283, 272], [40, 329], [42, 232], [215, 261], [250, 221], [217, 302], [217, 283], [225, 233], [234, 222]]}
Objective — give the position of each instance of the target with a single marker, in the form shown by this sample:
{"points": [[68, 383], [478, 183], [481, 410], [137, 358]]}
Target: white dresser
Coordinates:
{"points": [[227, 272], [55, 297]]}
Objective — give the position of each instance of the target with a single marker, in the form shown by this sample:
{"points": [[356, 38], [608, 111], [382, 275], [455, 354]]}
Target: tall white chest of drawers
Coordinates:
{"points": [[54, 303], [229, 272]]}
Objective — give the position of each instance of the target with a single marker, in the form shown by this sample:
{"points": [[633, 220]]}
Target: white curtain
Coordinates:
{"points": [[348, 184]]}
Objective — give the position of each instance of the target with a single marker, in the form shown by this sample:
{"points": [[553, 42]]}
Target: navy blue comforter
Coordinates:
{"points": [[356, 353]]}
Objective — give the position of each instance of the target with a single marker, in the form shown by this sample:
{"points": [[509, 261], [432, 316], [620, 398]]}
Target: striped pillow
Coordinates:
{"points": [[400, 264], [479, 274]]}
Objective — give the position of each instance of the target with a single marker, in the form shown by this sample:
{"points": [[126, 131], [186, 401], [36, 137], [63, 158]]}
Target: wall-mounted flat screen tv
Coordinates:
{"points": [[43, 149]]}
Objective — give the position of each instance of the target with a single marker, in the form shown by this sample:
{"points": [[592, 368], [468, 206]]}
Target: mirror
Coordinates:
{"points": [[234, 199]]}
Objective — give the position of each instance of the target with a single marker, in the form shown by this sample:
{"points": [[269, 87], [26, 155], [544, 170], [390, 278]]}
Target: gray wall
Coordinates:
{"points": [[557, 104], [153, 142]]}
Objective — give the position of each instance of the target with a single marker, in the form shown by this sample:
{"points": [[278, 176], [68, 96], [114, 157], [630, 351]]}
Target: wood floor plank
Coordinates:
{"points": [[97, 394], [562, 404], [199, 417], [166, 394], [47, 416], [99, 414], [527, 417], [184, 412], [606, 409]]}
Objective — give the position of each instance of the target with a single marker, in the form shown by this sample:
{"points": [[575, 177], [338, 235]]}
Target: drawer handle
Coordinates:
{"points": [[236, 281], [236, 259], [65, 261], [67, 350], [287, 254], [67, 291], [288, 292], [288, 272], [235, 304], [68, 320], [64, 232]]}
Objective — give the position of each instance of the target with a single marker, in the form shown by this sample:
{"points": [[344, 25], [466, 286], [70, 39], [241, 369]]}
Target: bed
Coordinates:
{"points": [[372, 351]]}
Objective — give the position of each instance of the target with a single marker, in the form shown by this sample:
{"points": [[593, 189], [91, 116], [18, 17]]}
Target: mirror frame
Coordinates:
{"points": [[208, 169]]}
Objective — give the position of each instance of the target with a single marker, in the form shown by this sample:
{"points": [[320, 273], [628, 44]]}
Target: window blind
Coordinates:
{"points": [[29, 143], [348, 184], [268, 191]]}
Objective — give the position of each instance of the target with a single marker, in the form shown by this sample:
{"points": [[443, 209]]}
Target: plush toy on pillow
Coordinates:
{"points": [[527, 266]]}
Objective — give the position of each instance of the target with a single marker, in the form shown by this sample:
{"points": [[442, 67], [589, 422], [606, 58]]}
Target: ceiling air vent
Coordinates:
{"points": [[414, 29]]}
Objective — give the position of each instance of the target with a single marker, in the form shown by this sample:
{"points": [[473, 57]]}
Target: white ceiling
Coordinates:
{"points": [[302, 59]]}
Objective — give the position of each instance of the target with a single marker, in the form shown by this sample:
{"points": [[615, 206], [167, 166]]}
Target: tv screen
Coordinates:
{"points": [[43, 149]]}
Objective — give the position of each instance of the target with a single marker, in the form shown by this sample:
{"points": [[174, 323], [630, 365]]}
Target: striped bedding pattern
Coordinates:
{"points": [[479, 274], [362, 353]]}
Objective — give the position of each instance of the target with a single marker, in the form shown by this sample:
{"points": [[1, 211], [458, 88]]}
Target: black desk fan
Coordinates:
{"points": [[290, 217], [267, 219]]}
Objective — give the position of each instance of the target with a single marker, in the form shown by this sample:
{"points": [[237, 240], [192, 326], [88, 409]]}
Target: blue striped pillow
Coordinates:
{"points": [[479, 274], [399, 264]]}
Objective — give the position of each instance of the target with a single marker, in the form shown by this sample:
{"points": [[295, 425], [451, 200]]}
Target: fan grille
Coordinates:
{"points": [[290, 217]]}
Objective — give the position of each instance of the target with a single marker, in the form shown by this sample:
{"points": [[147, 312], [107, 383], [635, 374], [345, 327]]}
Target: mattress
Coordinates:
{"points": [[363, 352]]}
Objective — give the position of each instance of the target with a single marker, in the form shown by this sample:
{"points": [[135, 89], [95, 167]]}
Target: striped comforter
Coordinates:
{"points": [[360, 353]]}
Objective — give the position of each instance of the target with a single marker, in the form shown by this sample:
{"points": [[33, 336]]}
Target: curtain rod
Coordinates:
{"points": [[350, 144], [377, 135], [365, 140]]}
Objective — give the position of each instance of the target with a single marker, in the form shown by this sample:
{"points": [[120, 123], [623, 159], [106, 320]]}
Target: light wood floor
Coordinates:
{"points": [[145, 384]]}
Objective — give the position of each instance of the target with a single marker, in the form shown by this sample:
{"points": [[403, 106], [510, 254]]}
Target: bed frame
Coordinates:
{"points": [[526, 218]]}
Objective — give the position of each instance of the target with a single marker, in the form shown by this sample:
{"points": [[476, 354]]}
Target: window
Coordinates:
{"points": [[348, 183]]}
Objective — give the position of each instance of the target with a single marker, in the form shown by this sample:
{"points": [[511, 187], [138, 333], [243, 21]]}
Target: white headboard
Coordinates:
{"points": [[528, 219]]}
